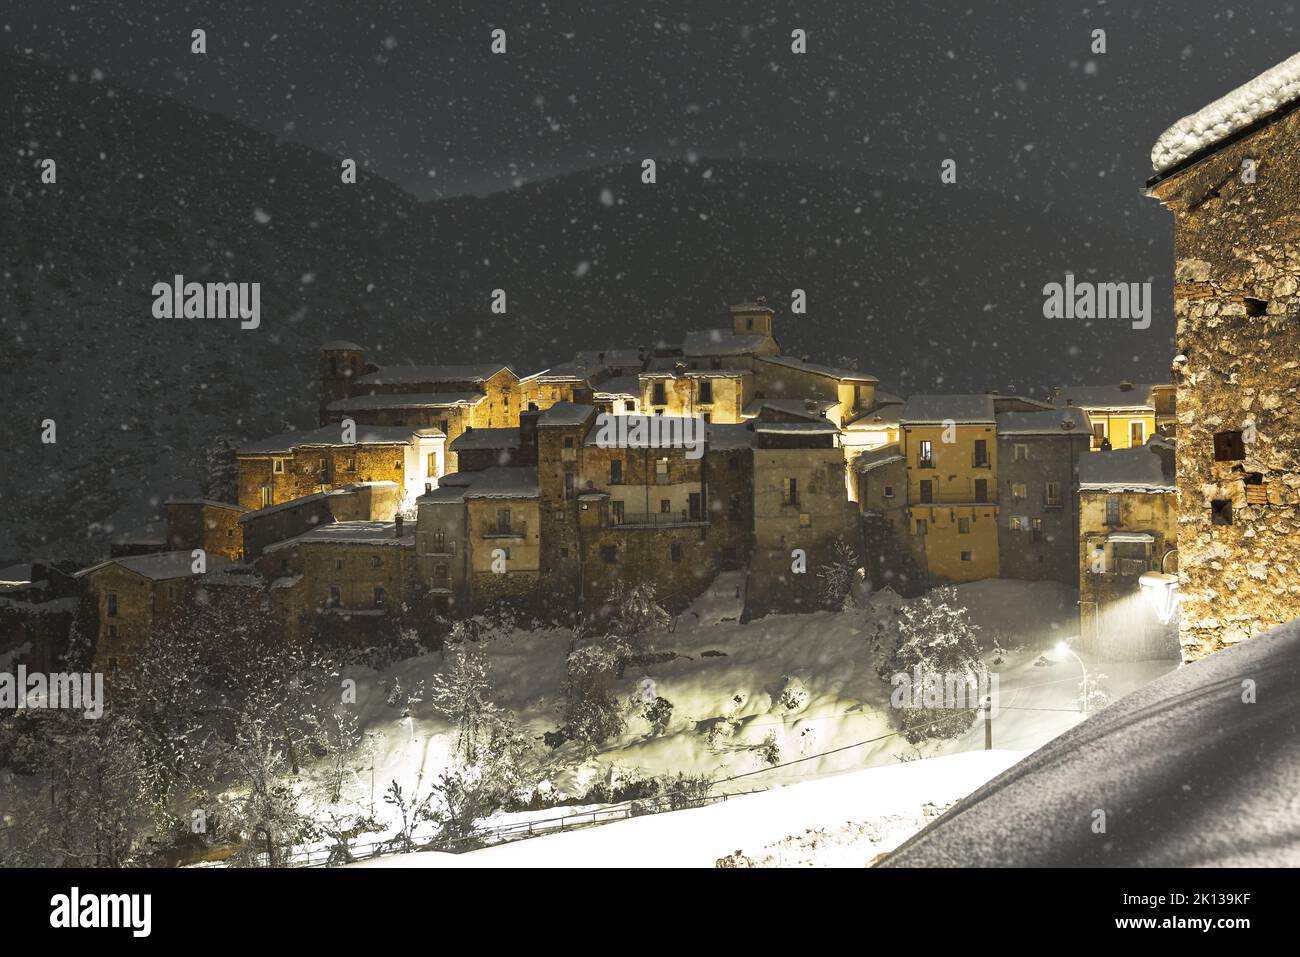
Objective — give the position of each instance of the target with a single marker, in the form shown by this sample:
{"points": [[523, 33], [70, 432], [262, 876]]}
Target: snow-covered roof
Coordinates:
{"points": [[1271, 91], [208, 502], [16, 575], [804, 408], [666, 367], [728, 437], [330, 435], [338, 345], [619, 386], [475, 439], [499, 481], [923, 409], [1063, 421], [1141, 469], [158, 566], [409, 400], [393, 375], [885, 413], [876, 458], [308, 499], [797, 428], [1122, 395], [565, 413], [351, 533], [803, 365], [720, 342]]}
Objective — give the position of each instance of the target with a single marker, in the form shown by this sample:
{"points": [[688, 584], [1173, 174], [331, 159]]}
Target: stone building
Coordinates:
{"points": [[950, 442], [297, 464], [1128, 526], [365, 502], [134, 593], [671, 387], [1038, 462], [359, 571], [478, 541], [1230, 175], [202, 523], [800, 512]]}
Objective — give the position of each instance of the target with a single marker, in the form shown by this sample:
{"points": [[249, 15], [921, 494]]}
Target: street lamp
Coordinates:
{"points": [[1161, 590], [1063, 648]]}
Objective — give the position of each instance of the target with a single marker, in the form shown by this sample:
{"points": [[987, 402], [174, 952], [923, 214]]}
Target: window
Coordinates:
{"points": [[1137, 433], [609, 554], [442, 426], [1255, 307], [1112, 509], [1052, 495], [657, 394], [266, 496], [675, 552], [926, 457], [568, 441], [431, 468], [661, 471], [112, 665], [963, 526], [965, 556], [920, 526], [112, 632], [1221, 511], [665, 506], [981, 490], [277, 466], [375, 561], [1228, 447], [338, 564], [568, 484], [706, 392], [1020, 452], [1098, 434], [927, 490], [112, 604], [336, 596], [616, 472], [981, 454], [379, 596], [503, 520], [1019, 491], [1016, 523], [888, 492], [1036, 529], [790, 491], [439, 573], [617, 512], [805, 520], [749, 325], [352, 463]]}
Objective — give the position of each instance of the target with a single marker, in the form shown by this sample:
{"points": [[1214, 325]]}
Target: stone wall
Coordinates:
{"points": [[1237, 249]]}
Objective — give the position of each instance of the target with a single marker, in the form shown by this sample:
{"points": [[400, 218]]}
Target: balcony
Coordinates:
{"points": [[653, 519]]}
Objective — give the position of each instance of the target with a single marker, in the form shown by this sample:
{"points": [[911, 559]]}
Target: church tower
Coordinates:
{"points": [[340, 363], [753, 318]]}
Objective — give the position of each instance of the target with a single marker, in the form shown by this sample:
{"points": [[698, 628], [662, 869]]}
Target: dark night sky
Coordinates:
{"points": [[1011, 90]]}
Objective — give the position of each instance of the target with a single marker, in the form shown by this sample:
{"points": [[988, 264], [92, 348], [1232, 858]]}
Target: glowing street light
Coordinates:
{"points": [[1161, 589], [1063, 648]]}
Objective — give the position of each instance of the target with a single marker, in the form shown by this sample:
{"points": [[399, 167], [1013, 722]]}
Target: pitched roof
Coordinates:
{"points": [[351, 533], [565, 413], [805, 408], [393, 375], [619, 385], [1272, 91], [720, 342], [330, 435], [335, 345], [885, 412], [876, 458], [921, 409], [803, 365], [1064, 421], [308, 499], [477, 439], [499, 481], [1122, 395], [1140, 469], [408, 400], [159, 566]]}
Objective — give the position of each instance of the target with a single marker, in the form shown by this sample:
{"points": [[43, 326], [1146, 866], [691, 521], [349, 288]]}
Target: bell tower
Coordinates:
{"points": [[752, 318], [340, 363]]}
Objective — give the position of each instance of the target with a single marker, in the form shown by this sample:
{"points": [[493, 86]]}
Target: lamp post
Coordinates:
{"points": [[1063, 648], [1161, 589]]}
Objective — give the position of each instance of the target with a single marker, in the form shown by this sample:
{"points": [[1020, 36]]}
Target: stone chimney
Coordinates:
{"points": [[397, 525]]}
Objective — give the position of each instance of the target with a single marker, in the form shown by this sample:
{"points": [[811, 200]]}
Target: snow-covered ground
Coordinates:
{"points": [[846, 820], [835, 720]]}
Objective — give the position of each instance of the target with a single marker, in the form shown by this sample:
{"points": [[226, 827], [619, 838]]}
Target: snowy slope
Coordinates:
{"points": [[861, 814], [1187, 773]]}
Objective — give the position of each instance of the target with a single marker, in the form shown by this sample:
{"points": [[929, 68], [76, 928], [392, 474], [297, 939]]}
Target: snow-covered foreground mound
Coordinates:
{"points": [[861, 814], [1199, 768]]}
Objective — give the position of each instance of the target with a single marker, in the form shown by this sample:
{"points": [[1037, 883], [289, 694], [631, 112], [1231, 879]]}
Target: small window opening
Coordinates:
{"points": [[1221, 511]]}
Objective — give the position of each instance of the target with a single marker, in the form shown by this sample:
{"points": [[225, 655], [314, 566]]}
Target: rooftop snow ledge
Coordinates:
{"points": [[1267, 93]]}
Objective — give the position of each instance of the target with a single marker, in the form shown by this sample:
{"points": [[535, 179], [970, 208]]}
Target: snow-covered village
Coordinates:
{"points": [[748, 471]]}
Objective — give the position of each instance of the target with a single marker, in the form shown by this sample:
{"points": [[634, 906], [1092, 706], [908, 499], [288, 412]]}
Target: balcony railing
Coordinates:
{"points": [[635, 519]]}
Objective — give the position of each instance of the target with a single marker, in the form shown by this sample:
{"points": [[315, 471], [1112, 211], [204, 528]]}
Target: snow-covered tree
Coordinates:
{"points": [[837, 577]]}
